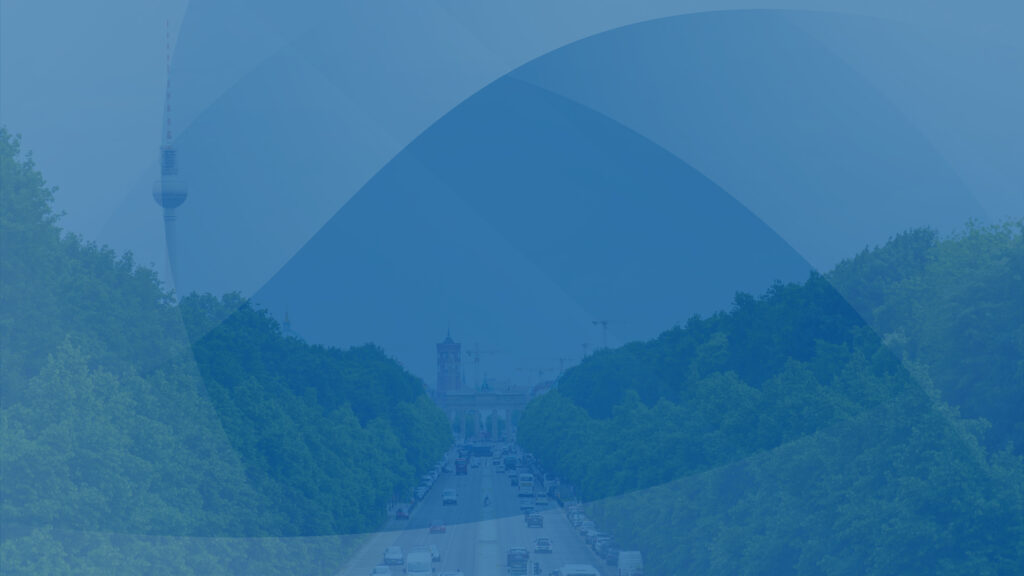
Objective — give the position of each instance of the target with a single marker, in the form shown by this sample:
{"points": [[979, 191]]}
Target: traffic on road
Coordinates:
{"points": [[488, 510]]}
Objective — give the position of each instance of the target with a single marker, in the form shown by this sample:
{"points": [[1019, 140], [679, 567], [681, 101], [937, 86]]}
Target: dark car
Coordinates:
{"points": [[542, 546], [401, 514]]}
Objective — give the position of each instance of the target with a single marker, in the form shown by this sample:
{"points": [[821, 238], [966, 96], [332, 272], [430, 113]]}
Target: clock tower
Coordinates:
{"points": [[449, 366]]}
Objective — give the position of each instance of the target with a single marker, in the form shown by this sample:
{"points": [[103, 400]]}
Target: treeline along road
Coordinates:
{"points": [[865, 421]]}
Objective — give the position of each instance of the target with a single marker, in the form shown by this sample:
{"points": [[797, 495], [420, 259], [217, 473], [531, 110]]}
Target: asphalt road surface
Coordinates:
{"points": [[477, 536]]}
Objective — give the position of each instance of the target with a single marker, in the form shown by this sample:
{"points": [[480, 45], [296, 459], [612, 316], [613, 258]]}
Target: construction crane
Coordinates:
{"points": [[474, 355], [549, 364], [529, 372]]}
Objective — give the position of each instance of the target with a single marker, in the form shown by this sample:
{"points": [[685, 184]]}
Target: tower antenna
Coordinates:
{"points": [[169, 133]]}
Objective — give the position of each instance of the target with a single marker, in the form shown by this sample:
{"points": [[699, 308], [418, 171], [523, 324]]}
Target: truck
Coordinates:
{"points": [[631, 563], [517, 560], [461, 467]]}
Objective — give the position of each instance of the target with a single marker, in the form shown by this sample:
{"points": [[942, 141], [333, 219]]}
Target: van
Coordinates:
{"points": [[631, 563], [418, 564]]}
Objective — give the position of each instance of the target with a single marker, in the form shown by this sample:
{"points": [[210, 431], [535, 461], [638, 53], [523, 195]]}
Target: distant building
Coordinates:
{"points": [[449, 366], [286, 328]]}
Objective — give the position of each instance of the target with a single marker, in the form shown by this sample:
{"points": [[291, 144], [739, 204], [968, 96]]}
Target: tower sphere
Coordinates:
{"points": [[170, 192]]}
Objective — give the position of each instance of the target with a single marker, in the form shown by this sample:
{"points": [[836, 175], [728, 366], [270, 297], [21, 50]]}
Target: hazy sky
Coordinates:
{"points": [[83, 81]]}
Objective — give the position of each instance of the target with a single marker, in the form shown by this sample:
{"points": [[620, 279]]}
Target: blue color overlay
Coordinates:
{"points": [[560, 288]]}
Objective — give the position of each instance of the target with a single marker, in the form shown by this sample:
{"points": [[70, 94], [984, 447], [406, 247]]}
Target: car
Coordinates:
{"points": [[542, 546], [430, 550], [517, 560], [393, 555], [380, 570], [438, 527], [420, 492], [474, 464], [449, 497], [401, 514], [451, 573], [534, 521]]}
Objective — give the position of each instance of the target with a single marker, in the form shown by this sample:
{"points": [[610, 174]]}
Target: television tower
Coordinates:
{"points": [[169, 191]]}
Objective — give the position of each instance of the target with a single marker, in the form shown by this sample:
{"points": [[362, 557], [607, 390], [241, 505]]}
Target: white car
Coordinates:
{"points": [[393, 555], [429, 549], [449, 497]]}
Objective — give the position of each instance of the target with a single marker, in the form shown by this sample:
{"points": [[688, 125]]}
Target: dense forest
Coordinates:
{"points": [[867, 421], [145, 435]]}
